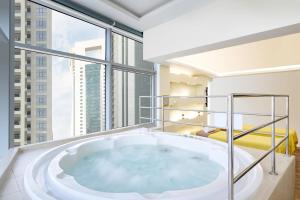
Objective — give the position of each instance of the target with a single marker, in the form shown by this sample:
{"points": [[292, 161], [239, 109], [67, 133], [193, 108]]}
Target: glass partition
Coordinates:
{"points": [[127, 88]]}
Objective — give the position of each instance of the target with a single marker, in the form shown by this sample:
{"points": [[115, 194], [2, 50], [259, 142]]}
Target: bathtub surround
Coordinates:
{"points": [[13, 187], [63, 161]]}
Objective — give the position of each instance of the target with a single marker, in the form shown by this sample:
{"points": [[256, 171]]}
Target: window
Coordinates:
{"points": [[41, 74], [58, 89], [41, 99], [51, 27], [17, 8], [42, 137], [17, 136], [41, 125], [41, 11], [41, 36], [17, 52], [17, 64], [128, 52], [17, 22], [28, 9], [41, 87], [41, 112], [41, 61], [17, 36], [41, 23]]}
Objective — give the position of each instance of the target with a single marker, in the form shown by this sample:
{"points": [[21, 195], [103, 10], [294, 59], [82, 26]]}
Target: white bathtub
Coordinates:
{"points": [[46, 179]]}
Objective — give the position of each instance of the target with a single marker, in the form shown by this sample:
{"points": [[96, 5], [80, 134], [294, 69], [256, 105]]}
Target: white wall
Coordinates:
{"points": [[254, 56], [221, 24], [272, 83]]}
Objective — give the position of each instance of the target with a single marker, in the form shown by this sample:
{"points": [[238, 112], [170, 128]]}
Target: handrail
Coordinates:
{"points": [[209, 111], [233, 179], [183, 123], [257, 128], [230, 128], [190, 124], [186, 97], [247, 169], [239, 95], [180, 109]]}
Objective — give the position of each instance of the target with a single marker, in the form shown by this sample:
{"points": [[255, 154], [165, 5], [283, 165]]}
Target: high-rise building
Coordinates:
{"points": [[88, 89], [33, 81]]}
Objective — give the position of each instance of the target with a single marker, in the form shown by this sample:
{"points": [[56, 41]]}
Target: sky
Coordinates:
{"points": [[65, 32]]}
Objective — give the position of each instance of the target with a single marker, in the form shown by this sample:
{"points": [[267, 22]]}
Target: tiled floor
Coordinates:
{"points": [[13, 189]]}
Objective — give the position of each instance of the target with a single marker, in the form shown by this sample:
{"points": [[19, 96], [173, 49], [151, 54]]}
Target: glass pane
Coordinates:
{"points": [[138, 85], [41, 26], [56, 98], [129, 52], [127, 88], [118, 99]]}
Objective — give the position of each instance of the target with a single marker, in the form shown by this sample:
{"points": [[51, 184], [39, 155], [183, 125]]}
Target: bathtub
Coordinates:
{"points": [[70, 171]]}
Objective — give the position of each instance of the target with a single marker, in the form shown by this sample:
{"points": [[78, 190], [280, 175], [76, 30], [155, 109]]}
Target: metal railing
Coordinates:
{"points": [[232, 179]]}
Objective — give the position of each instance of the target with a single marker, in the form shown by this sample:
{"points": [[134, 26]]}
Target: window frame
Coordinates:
{"points": [[108, 61]]}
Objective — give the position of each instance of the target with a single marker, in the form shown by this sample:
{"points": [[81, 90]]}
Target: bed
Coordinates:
{"points": [[260, 139]]}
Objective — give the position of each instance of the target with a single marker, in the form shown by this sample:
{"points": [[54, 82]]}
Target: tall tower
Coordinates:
{"points": [[88, 89], [33, 81]]}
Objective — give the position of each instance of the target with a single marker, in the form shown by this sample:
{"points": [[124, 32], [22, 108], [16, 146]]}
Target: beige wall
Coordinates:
{"points": [[272, 83]]}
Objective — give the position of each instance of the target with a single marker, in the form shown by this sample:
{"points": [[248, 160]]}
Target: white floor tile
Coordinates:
{"points": [[20, 183], [23, 160], [10, 186], [14, 196]]}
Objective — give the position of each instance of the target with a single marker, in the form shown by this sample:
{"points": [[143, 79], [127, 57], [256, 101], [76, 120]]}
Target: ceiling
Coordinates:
{"points": [[140, 8], [271, 55], [142, 14]]}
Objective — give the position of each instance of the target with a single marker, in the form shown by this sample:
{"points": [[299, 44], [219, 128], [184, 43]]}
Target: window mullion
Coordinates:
{"points": [[108, 81]]}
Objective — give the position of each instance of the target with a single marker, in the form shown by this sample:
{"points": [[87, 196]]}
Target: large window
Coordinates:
{"points": [[64, 94]]}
